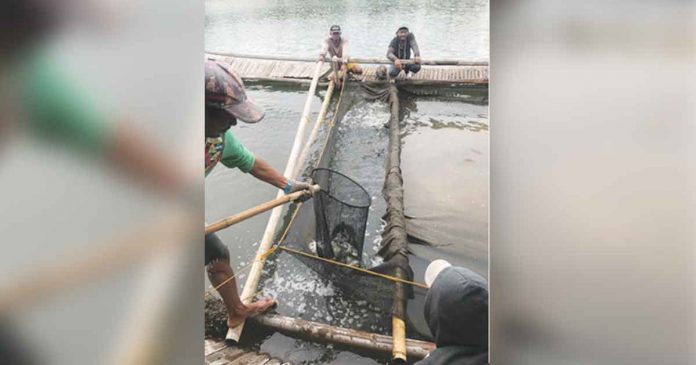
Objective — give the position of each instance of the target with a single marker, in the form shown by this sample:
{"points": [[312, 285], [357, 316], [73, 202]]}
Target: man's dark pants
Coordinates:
{"points": [[394, 72]]}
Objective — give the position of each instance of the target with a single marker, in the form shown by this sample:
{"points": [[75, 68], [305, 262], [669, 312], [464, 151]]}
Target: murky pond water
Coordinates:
{"points": [[444, 153]]}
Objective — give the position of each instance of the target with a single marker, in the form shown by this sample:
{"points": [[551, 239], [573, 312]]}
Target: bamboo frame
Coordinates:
{"points": [[251, 212], [233, 334], [386, 61], [297, 327], [315, 130], [395, 212]]}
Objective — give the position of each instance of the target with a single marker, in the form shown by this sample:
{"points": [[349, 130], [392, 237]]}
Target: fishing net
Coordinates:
{"points": [[340, 210], [333, 225]]}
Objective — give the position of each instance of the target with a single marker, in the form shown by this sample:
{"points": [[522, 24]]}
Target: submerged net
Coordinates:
{"points": [[340, 210]]}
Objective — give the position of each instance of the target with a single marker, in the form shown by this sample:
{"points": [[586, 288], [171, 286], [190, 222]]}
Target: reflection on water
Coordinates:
{"points": [[444, 28]]}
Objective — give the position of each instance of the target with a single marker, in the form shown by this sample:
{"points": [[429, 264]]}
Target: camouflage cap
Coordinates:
{"points": [[224, 89]]}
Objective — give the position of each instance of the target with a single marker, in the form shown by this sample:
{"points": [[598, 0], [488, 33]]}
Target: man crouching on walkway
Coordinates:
{"points": [[400, 49], [337, 46], [225, 103]]}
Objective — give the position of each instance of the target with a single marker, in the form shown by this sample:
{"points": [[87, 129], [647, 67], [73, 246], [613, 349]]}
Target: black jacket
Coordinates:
{"points": [[403, 50], [456, 309]]}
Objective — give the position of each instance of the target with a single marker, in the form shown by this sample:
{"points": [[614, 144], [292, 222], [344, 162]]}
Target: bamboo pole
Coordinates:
{"points": [[315, 130], [395, 234], [252, 282], [251, 212], [386, 61], [344, 336], [474, 83], [281, 80]]}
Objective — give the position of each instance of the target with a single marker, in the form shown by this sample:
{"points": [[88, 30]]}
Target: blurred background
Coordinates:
{"points": [[100, 117], [592, 182], [593, 159]]}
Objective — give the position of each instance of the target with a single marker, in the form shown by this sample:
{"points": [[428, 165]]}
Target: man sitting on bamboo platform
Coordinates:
{"points": [[456, 309], [336, 46], [225, 102], [400, 49]]}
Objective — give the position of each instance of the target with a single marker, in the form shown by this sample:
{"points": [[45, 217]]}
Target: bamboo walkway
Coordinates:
{"points": [[218, 353], [293, 70]]}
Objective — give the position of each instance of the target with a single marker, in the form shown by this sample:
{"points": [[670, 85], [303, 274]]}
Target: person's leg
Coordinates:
{"points": [[393, 71], [217, 259], [414, 68]]}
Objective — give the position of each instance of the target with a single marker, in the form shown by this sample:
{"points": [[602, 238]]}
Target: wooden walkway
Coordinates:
{"points": [[218, 353], [259, 69]]}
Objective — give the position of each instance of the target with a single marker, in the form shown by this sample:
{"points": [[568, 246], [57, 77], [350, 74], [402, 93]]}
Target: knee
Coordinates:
{"points": [[215, 250], [415, 68], [393, 71]]}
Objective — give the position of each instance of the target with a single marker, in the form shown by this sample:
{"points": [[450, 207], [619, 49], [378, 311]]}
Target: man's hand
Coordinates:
{"points": [[417, 60], [294, 186], [397, 64]]}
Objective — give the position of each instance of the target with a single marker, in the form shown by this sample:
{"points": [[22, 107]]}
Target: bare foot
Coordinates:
{"points": [[239, 315]]}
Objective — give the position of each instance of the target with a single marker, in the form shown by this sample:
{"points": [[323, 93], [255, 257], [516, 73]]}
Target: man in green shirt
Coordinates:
{"points": [[225, 103]]}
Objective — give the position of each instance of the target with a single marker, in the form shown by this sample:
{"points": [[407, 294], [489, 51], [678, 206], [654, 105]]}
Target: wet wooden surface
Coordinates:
{"points": [[260, 69], [218, 353]]}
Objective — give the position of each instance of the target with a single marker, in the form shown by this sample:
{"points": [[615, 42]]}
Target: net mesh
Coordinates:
{"points": [[340, 210], [338, 214]]}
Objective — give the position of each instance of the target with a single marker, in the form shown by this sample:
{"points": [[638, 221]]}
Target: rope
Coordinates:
{"points": [[241, 270], [329, 261], [356, 268]]}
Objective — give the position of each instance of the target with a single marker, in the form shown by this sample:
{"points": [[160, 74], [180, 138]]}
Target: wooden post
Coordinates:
{"points": [[233, 334], [234, 219], [315, 130]]}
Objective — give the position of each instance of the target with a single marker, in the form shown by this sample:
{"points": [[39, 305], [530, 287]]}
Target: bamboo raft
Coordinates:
{"points": [[301, 70]]}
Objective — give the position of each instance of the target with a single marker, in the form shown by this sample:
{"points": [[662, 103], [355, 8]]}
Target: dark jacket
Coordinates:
{"points": [[402, 50], [456, 309]]}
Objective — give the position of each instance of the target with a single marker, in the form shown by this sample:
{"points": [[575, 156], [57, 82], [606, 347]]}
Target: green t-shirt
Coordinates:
{"points": [[228, 150], [57, 109]]}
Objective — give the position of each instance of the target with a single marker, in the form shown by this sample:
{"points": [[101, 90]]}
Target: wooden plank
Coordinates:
{"points": [[269, 69], [225, 355], [273, 362], [250, 358], [212, 346]]}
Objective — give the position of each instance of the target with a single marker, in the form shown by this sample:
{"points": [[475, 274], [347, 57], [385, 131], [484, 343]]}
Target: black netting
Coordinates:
{"points": [[338, 213], [340, 209]]}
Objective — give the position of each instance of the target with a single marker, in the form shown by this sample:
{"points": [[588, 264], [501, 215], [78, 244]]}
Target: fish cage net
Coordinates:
{"points": [[338, 215], [340, 209]]}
